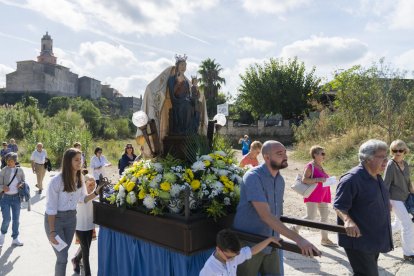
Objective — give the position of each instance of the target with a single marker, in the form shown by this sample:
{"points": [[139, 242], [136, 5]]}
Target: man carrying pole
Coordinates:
{"points": [[260, 208]]}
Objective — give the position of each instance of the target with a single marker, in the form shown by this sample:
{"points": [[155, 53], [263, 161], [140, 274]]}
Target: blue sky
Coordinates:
{"points": [[128, 43]]}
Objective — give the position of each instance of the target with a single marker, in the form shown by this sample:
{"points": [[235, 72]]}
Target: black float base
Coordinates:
{"points": [[186, 237]]}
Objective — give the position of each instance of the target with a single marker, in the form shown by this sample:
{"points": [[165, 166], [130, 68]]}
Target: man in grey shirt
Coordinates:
{"points": [[260, 208]]}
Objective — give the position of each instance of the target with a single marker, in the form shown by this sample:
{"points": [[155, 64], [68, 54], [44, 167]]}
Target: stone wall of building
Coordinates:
{"points": [[60, 81], [281, 132], [27, 77], [129, 104], [31, 76], [89, 88]]}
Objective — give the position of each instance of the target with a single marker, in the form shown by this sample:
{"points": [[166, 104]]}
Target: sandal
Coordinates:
{"points": [[328, 243], [409, 258]]}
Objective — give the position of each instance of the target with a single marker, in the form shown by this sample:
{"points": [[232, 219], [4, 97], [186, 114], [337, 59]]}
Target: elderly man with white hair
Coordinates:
{"points": [[363, 207]]}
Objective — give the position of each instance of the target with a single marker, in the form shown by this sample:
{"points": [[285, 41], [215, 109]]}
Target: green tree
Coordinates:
{"points": [[92, 116], [210, 83], [379, 95], [57, 104], [278, 87]]}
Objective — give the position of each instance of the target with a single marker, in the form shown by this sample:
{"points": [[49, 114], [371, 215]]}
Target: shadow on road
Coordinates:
{"points": [[6, 266]]}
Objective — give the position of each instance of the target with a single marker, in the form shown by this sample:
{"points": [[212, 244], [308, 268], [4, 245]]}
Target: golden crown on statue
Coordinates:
{"points": [[180, 58]]}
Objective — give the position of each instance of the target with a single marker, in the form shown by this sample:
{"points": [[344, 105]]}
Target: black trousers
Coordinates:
{"points": [[85, 240], [362, 263]]}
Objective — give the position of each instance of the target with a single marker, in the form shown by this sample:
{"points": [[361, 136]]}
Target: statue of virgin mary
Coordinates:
{"points": [[168, 95]]}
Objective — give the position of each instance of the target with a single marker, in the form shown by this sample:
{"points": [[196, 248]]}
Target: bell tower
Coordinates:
{"points": [[46, 54]]}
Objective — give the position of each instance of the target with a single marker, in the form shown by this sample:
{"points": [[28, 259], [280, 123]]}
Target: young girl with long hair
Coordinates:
{"points": [[65, 190]]}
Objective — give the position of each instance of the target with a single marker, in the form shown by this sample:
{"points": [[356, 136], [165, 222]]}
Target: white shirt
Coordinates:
{"points": [[58, 200], [98, 162], [39, 157], [84, 216], [13, 186], [214, 267]]}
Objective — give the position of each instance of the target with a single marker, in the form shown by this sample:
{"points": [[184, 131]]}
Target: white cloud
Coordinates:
{"points": [[274, 7], [402, 16], [121, 17], [4, 69], [326, 50], [253, 44], [232, 75], [101, 53], [405, 60]]}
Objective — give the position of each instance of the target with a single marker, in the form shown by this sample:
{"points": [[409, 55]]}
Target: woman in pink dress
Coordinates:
{"points": [[321, 196]]}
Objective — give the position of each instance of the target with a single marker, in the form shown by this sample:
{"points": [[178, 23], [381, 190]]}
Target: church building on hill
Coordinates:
{"points": [[46, 76]]}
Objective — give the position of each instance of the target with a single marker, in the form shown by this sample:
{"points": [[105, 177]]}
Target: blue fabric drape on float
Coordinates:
{"points": [[121, 254]]}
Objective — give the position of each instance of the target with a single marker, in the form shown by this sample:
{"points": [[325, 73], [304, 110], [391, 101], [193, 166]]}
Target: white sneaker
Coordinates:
{"points": [[2, 236], [16, 242]]}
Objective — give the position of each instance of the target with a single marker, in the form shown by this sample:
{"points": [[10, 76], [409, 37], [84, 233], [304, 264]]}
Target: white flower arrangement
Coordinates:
{"points": [[212, 181]]}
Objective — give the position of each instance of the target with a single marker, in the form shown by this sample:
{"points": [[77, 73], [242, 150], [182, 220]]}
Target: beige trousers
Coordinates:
{"points": [[40, 174], [311, 208]]}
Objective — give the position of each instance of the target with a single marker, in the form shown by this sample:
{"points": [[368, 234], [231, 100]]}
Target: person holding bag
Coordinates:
{"points": [[11, 178], [397, 181], [321, 196]]}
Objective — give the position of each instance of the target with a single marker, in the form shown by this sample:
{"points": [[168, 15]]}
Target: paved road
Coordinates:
{"points": [[36, 257]]}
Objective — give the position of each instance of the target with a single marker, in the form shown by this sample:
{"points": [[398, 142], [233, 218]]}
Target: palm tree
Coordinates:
{"points": [[210, 81]]}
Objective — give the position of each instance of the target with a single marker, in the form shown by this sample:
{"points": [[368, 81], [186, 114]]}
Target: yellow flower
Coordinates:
{"points": [[122, 180], [190, 173], [224, 178], [116, 187], [141, 194], [129, 186], [154, 192], [142, 171], [229, 185], [195, 184], [165, 186], [206, 163]]}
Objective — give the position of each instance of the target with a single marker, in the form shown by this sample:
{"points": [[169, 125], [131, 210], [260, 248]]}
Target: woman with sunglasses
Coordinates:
{"points": [[321, 196], [127, 158], [397, 180]]}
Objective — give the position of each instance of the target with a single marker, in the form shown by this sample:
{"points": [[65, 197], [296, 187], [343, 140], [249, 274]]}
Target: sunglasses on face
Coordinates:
{"points": [[322, 153], [400, 151]]}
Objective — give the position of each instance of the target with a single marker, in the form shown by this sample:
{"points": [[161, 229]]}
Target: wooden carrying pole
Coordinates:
{"points": [[288, 246], [313, 224]]}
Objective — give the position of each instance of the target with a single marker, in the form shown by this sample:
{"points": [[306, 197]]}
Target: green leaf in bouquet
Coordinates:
{"points": [[195, 145]]}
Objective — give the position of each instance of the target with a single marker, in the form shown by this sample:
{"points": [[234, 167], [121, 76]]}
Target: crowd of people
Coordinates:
{"points": [[364, 199], [363, 202]]}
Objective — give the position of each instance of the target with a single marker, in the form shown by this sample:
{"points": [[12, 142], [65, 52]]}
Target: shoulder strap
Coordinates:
{"points": [[398, 166], [313, 170], [14, 176]]}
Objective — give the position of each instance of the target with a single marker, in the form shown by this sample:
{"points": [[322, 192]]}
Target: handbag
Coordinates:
{"points": [[409, 204], [24, 192], [301, 188]]}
